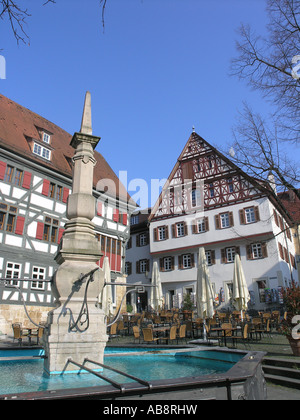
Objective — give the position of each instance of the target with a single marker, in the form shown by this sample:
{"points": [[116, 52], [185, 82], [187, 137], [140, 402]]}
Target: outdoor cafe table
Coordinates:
{"points": [[222, 332], [161, 329]]}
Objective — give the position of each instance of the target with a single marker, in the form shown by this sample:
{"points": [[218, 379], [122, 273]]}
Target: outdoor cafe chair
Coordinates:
{"points": [[121, 328], [148, 336], [172, 335], [226, 332], [182, 333], [136, 333], [244, 337], [113, 332], [256, 326], [38, 334], [264, 329], [18, 333]]}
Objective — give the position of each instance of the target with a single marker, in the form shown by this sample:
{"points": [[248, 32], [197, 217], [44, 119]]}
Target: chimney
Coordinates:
{"points": [[272, 182]]}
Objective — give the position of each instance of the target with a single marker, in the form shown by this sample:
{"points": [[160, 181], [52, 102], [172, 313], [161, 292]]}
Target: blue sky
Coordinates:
{"points": [[159, 68]]}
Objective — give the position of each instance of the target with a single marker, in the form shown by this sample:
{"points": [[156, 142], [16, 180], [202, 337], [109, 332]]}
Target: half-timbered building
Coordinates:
{"points": [[209, 202], [35, 182]]}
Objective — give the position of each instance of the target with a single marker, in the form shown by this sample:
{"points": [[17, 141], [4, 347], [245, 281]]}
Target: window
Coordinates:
{"points": [[224, 220], [211, 190], [38, 273], [201, 225], [41, 151], [161, 233], [168, 263], [180, 229], [186, 261], [128, 268], [142, 266], [50, 230], [134, 220], [142, 239], [228, 254], [7, 217], [18, 177], [54, 191], [13, 271], [209, 257], [46, 138], [8, 173], [196, 198], [230, 185], [257, 250], [59, 193], [262, 285], [249, 215]]}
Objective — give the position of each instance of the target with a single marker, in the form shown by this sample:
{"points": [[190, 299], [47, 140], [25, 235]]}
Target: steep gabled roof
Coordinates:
{"points": [[20, 127], [195, 163]]}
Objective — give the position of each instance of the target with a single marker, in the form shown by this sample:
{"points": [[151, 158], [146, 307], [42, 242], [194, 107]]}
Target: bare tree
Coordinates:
{"points": [[258, 151], [16, 16], [269, 63]]}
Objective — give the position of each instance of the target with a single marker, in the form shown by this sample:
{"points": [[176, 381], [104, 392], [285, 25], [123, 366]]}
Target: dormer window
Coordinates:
{"points": [[41, 151], [46, 138]]}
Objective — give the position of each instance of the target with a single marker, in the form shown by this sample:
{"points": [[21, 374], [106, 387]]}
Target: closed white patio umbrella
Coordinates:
{"points": [[241, 295], [105, 298], [204, 293], [157, 298]]}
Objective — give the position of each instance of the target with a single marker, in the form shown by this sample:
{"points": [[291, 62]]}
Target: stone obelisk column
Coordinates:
{"points": [[77, 329]]}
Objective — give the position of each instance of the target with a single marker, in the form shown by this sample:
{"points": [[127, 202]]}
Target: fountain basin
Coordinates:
{"points": [[218, 373]]}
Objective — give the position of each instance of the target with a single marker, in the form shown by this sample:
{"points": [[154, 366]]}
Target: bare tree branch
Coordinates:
{"points": [[259, 152], [266, 63], [16, 16]]}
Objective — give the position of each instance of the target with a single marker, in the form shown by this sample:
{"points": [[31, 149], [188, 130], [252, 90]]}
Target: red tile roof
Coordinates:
{"points": [[292, 203], [19, 125]]}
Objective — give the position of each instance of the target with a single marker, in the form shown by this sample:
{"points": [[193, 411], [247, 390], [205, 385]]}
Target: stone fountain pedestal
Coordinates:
{"points": [[76, 329]]}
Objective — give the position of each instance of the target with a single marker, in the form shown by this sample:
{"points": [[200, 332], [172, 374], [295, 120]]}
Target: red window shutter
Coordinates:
{"points": [[60, 234], [116, 215], [40, 231], [46, 186], [161, 264], [174, 231], [217, 221], [242, 217], [2, 170], [20, 225], [257, 216], [27, 180], [231, 219], [66, 194], [99, 208], [125, 218], [223, 256]]}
